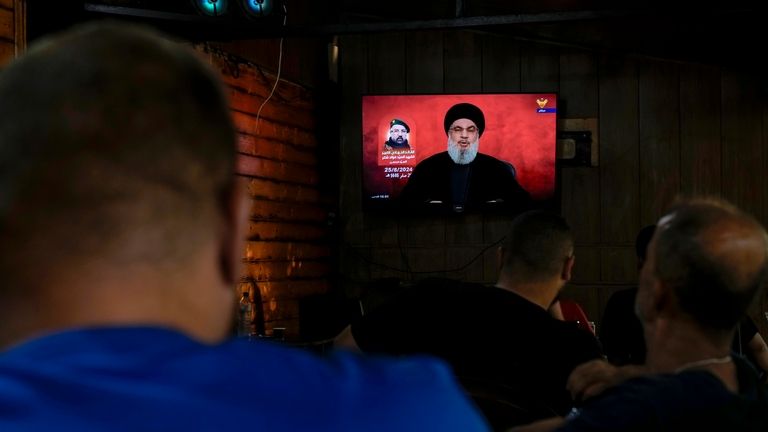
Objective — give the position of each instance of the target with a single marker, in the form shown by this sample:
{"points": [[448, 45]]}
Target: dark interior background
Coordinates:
{"points": [[678, 95]]}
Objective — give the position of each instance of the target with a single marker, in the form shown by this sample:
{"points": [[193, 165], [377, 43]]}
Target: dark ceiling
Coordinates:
{"points": [[719, 33], [729, 33]]}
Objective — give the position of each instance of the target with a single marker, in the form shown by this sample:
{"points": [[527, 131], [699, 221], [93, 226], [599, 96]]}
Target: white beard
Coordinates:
{"points": [[463, 156]]}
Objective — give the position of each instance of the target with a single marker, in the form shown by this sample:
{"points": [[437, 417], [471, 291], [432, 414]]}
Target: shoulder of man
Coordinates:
{"points": [[693, 400], [408, 393]]}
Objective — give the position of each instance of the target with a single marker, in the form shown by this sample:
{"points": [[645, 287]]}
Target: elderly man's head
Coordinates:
{"points": [[464, 124], [706, 262]]}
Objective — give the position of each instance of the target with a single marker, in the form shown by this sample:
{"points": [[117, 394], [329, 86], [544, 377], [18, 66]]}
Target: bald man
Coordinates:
{"points": [[706, 262], [121, 229]]}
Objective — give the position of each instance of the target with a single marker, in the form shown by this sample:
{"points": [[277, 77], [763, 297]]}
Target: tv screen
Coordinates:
{"points": [[459, 153]]}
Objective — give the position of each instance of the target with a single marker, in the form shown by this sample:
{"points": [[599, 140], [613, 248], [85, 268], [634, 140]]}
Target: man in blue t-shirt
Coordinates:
{"points": [[121, 228], [706, 262]]}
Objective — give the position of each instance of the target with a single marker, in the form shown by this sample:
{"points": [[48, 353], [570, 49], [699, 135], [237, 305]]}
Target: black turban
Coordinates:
{"points": [[467, 111]]}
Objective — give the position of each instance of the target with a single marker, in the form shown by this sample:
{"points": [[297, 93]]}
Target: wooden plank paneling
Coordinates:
{"points": [[580, 202], [700, 147], [618, 265], [380, 229], [580, 186], [427, 261], [388, 262], [6, 4], [424, 62], [659, 138], [463, 62], [619, 167], [356, 261], [353, 75], [742, 151], [491, 265], [578, 84], [386, 63], [464, 263], [464, 230], [586, 268], [539, 68], [501, 64]]}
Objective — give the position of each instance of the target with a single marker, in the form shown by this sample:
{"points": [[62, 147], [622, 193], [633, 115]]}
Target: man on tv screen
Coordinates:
{"points": [[461, 178], [398, 136]]}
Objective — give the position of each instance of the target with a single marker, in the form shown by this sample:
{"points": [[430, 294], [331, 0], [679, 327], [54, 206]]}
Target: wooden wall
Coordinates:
{"points": [[665, 128], [287, 256], [12, 24]]}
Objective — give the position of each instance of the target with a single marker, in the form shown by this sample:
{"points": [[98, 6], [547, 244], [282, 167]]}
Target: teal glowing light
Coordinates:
{"points": [[212, 7], [258, 8]]}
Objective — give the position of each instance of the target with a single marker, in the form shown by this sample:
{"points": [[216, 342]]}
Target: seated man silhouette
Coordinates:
{"points": [[501, 334], [706, 263], [620, 331], [121, 228]]}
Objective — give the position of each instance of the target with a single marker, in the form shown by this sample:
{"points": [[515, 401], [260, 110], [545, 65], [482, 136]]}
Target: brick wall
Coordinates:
{"points": [[11, 29], [287, 256]]}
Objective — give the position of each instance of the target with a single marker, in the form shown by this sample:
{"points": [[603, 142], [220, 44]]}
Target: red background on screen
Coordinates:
{"points": [[514, 132]]}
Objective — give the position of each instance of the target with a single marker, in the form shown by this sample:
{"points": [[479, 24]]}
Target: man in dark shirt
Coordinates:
{"points": [[461, 178], [501, 334]]}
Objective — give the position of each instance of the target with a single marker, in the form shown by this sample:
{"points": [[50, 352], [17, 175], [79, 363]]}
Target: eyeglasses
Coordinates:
{"points": [[459, 129]]}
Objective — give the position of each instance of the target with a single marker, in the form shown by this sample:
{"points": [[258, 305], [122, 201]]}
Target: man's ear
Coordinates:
{"points": [[567, 272], [234, 206]]}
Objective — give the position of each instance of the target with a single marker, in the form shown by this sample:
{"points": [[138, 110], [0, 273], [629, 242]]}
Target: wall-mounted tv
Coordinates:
{"points": [[459, 153]]}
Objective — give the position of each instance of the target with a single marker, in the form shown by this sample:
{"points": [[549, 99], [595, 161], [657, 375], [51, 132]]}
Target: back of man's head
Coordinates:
{"points": [[536, 247], [713, 256], [116, 146]]}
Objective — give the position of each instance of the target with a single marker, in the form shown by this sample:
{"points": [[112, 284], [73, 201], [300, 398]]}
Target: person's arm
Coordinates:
{"points": [[593, 377]]}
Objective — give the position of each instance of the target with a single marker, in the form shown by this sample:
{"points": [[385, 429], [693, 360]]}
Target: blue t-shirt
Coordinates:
{"points": [[151, 379], [693, 400]]}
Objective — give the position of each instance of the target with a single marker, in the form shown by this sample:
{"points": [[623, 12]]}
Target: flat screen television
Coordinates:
{"points": [[459, 153]]}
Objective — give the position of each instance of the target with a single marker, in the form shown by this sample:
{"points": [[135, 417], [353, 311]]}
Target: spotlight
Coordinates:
{"points": [[257, 8], [212, 8]]}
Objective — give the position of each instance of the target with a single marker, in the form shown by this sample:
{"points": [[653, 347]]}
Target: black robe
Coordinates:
{"points": [[486, 183]]}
